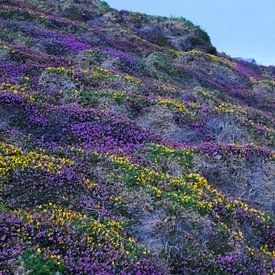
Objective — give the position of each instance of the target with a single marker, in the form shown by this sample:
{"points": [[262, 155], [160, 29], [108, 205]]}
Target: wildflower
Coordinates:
{"points": [[117, 199]]}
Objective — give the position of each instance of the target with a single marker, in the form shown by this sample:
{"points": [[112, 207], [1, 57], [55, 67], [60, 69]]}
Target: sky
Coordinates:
{"points": [[240, 28]]}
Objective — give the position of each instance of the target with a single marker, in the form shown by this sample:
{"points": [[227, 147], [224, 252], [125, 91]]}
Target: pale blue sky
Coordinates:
{"points": [[240, 28]]}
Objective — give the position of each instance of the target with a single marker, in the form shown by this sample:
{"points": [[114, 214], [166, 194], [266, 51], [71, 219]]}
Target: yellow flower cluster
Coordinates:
{"points": [[196, 185], [194, 105], [170, 102], [166, 88], [120, 160], [76, 149], [111, 229], [68, 71], [55, 215], [12, 157], [131, 79], [242, 205], [230, 108], [214, 58], [9, 149], [100, 73], [264, 249], [15, 89], [190, 189], [238, 235], [117, 199], [4, 46], [154, 189], [199, 53], [89, 184], [175, 53], [85, 71], [169, 150], [119, 94], [57, 70]]}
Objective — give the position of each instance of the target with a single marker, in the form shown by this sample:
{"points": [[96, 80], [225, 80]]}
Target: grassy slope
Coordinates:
{"points": [[128, 145]]}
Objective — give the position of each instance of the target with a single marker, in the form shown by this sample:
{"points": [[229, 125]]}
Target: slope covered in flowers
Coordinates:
{"points": [[128, 145]]}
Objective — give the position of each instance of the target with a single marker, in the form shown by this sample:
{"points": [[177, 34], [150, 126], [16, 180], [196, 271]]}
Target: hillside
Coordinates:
{"points": [[129, 145]]}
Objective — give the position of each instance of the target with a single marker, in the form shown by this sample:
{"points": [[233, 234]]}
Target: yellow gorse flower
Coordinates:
{"points": [[194, 185], [12, 157], [104, 74], [176, 104], [15, 89], [56, 69]]}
